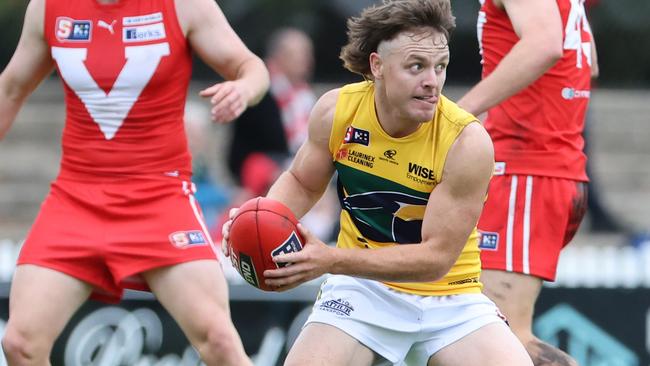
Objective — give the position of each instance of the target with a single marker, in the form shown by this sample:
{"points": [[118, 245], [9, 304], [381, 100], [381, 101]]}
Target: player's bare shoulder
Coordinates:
{"points": [[193, 13], [471, 157], [476, 143], [35, 17], [322, 115]]}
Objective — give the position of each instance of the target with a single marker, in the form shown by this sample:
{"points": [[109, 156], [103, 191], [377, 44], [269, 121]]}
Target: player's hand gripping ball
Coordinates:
{"points": [[262, 229]]}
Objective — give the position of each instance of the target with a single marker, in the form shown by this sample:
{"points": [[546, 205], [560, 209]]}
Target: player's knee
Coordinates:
{"points": [[19, 349], [220, 344]]}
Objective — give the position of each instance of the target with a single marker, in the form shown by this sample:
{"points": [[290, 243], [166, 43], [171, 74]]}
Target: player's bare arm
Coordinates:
{"points": [[539, 27], [30, 64], [453, 210], [595, 71], [302, 185], [216, 43]]}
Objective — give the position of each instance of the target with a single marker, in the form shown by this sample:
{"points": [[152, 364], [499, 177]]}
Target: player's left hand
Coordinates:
{"points": [[314, 260], [225, 231], [228, 100]]}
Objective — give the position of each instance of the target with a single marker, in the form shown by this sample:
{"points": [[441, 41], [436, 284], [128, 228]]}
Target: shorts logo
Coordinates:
{"points": [[488, 241], [291, 245], [185, 239], [356, 135], [70, 30], [338, 306], [499, 168]]}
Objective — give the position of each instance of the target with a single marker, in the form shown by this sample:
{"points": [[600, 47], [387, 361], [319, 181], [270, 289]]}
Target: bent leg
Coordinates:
{"points": [[41, 303], [196, 296], [491, 345], [321, 344], [503, 288]]}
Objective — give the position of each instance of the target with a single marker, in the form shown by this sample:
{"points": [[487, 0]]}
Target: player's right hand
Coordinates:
{"points": [[225, 231], [228, 100]]}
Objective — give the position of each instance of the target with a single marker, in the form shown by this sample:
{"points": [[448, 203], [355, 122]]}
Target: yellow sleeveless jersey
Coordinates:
{"points": [[384, 182]]}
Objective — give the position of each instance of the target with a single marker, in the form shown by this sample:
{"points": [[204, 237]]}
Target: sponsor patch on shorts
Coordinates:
{"points": [[499, 168], [338, 306], [184, 239], [488, 241]]}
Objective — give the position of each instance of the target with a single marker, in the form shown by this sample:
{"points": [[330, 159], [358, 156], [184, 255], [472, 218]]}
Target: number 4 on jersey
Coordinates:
{"points": [[576, 24], [110, 110]]}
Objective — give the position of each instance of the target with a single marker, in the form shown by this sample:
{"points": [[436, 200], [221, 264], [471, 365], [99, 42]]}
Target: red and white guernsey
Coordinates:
{"points": [[538, 131], [126, 69]]}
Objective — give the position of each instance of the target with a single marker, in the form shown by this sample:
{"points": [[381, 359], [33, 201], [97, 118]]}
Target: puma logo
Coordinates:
{"points": [[103, 24]]}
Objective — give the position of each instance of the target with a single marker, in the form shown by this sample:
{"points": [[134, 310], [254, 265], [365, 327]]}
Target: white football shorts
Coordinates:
{"points": [[401, 327]]}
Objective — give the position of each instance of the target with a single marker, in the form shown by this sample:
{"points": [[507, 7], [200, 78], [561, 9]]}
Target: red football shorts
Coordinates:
{"points": [[526, 222], [107, 233]]}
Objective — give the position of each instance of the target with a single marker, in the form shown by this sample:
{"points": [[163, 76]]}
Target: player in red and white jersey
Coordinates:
{"points": [[537, 65], [122, 213]]}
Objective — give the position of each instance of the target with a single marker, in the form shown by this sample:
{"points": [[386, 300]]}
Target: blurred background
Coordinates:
{"points": [[604, 273]]}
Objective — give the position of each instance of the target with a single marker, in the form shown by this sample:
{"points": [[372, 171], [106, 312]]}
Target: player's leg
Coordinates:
{"points": [[491, 345], [196, 295], [41, 303], [324, 345], [521, 247], [502, 287]]}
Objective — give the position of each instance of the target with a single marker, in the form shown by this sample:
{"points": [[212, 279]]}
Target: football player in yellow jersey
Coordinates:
{"points": [[413, 171]]}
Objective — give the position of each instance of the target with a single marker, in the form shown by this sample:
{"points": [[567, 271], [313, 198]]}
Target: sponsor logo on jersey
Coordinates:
{"points": [[463, 281], [389, 156], [420, 174], [291, 245], [571, 93], [342, 154], [71, 30], [499, 168], [143, 33], [356, 136], [142, 19], [185, 239], [360, 158], [488, 241], [338, 306], [106, 25]]}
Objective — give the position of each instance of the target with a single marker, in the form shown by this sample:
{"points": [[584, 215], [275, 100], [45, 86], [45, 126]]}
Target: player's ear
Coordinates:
{"points": [[376, 66]]}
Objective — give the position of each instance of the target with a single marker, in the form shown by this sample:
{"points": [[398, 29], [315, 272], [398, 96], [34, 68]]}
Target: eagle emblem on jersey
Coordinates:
{"points": [[386, 216]]}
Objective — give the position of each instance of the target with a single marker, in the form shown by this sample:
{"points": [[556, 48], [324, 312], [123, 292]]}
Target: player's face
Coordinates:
{"points": [[411, 72]]}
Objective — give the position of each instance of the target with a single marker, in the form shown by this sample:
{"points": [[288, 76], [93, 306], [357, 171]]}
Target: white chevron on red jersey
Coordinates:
{"points": [[126, 69], [538, 131]]}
